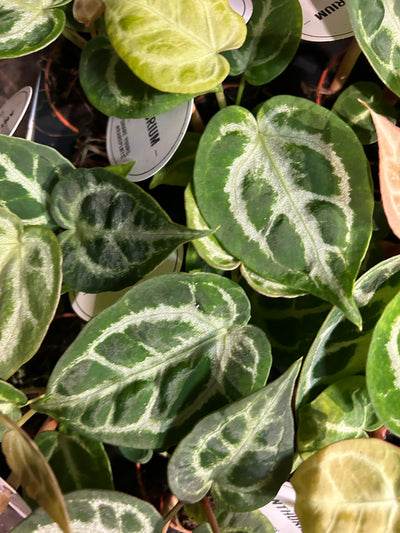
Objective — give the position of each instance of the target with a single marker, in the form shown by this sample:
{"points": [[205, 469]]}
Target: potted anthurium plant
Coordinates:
{"points": [[276, 354]]}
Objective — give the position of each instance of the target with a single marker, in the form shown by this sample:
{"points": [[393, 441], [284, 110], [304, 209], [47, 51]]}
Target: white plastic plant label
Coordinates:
{"points": [[280, 512], [325, 21], [150, 142], [243, 7], [86, 305], [13, 110]]}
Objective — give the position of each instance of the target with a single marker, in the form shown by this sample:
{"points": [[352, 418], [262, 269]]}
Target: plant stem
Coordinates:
{"points": [[210, 515], [172, 512], [242, 85], [221, 99], [26, 417], [74, 37], [346, 66]]}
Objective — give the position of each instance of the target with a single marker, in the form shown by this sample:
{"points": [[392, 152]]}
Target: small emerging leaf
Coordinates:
{"points": [[11, 401], [87, 11]]}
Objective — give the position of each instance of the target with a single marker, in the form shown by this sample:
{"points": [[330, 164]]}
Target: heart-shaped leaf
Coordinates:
{"points": [[11, 401], [144, 371], [30, 284], [351, 485], [243, 452], [27, 26], [290, 192], [115, 232], [376, 27], [28, 172], [273, 36], [105, 511], [339, 349], [175, 47]]}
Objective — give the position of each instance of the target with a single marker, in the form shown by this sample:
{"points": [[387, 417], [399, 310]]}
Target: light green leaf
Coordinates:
{"points": [[144, 371], [342, 411], [376, 26], [253, 522], [102, 511], [33, 472], [273, 36], [78, 462], [11, 401], [339, 349], [355, 114], [291, 194], [175, 47], [28, 172], [350, 486], [121, 170], [28, 25], [115, 232], [30, 284], [243, 452], [112, 87], [383, 366]]}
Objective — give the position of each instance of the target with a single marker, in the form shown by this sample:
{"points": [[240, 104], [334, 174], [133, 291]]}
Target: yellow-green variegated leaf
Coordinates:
{"points": [[29, 25], [175, 46], [171, 350], [339, 349], [242, 452], [383, 366], [350, 486], [115, 233], [28, 172], [30, 284], [99, 510], [290, 194], [376, 26]]}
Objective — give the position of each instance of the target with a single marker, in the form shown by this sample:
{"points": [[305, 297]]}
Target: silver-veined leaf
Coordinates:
{"points": [[99, 510], [349, 486], [111, 86], [115, 232], [267, 287], [383, 366], [342, 411], [30, 284], [28, 172], [11, 401], [243, 452], [28, 25], [376, 26], [339, 349], [290, 192], [144, 371], [273, 36], [175, 47]]}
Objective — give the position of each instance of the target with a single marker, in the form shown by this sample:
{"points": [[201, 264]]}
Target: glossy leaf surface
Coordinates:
{"points": [[28, 172], [383, 367], [290, 192], [11, 401], [349, 486], [146, 369], [102, 511], [115, 232], [175, 47], [27, 26], [243, 452], [273, 36], [376, 27], [339, 349], [111, 86], [30, 283]]}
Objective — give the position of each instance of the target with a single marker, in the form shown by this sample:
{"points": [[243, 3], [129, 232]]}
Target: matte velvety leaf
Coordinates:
{"points": [[243, 452], [99, 510], [351, 485], [273, 36], [146, 369], [175, 47], [28, 172], [32, 470], [376, 27], [339, 349], [115, 232], [27, 26], [30, 284], [290, 194], [11, 401]]}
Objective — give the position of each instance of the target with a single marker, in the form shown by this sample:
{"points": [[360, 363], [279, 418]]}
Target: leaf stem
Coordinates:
{"points": [[24, 418], [220, 95], [74, 37], [172, 512], [345, 68], [242, 85], [210, 515]]}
